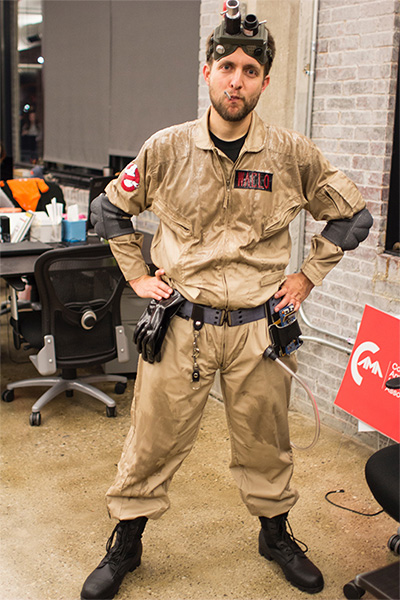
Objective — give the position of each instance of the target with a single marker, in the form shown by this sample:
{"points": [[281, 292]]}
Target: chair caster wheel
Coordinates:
{"points": [[120, 387], [111, 411], [7, 396], [352, 591], [35, 419], [394, 544]]}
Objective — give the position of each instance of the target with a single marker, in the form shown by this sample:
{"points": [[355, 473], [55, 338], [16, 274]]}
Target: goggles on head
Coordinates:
{"points": [[233, 33]]}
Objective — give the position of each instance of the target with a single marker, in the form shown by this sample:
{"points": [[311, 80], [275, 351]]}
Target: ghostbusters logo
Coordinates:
{"points": [[131, 178]]}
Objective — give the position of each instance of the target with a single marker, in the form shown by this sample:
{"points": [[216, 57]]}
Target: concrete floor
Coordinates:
{"points": [[54, 524]]}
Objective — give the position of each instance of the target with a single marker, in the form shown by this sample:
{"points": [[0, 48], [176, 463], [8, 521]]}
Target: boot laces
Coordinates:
{"points": [[120, 549], [292, 544]]}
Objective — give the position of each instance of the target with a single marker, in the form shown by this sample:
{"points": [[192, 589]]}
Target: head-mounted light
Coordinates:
{"points": [[233, 33]]}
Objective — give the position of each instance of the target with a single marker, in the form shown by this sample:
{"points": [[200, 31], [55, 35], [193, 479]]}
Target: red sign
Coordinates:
{"points": [[374, 360]]}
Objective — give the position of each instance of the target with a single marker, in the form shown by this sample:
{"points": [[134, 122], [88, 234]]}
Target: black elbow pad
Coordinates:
{"points": [[349, 233], [108, 220]]}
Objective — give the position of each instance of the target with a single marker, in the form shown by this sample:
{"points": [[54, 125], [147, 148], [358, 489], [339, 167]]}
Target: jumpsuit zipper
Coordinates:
{"points": [[227, 197]]}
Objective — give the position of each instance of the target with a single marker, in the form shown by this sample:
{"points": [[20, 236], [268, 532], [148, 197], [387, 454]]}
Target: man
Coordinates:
{"points": [[225, 188]]}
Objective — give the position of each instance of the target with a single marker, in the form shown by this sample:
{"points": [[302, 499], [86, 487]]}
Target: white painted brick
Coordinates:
{"points": [[379, 8], [336, 132], [326, 118], [371, 133], [354, 147], [341, 103], [350, 42], [362, 117], [343, 73], [326, 145], [374, 71], [339, 160], [379, 39], [327, 88], [368, 26], [383, 87], [358, 177], [372, 102], [352, 13], [368, 163], [353, 88]]}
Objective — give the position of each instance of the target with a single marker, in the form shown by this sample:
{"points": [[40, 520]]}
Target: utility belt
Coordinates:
{"points": [[153, 324], [283, 326], [219, 316]]}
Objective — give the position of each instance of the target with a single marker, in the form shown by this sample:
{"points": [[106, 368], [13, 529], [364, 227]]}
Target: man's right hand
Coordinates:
{"points": [[151, 287]]}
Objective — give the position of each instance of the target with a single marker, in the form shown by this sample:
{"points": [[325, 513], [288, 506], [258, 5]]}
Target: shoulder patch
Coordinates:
{"points": [[253, 180], [131, 177]]}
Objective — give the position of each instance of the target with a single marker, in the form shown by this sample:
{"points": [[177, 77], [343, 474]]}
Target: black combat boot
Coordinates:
{"points": [[103, 583], [275, 543]]}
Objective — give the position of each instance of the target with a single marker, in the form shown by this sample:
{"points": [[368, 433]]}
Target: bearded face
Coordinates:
{"points": [[235, 85], [235, 108]]}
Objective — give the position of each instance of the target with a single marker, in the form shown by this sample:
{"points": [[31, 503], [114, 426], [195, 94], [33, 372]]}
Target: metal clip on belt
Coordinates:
{"points": [[219, 316], [197, 315]]}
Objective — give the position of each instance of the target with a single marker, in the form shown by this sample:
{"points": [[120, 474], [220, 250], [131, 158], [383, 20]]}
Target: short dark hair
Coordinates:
{"points": [[271, 50]]}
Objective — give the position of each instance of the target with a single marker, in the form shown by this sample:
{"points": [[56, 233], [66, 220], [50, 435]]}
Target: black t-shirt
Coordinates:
{"points": [[231, 149]]}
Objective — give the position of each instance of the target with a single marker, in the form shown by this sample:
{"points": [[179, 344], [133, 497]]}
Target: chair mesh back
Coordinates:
{"points": [[72, 282]]}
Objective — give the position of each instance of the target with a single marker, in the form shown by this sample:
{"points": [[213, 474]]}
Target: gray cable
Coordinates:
{"points": [[313, 402]]}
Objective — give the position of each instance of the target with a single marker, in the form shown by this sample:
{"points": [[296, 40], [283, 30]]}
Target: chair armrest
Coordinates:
{"points": [[122, 344], [15, 282], [45, 359]]}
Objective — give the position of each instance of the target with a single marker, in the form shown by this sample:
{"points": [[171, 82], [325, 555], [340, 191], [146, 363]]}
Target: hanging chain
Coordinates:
{"points": [[195, 355]]}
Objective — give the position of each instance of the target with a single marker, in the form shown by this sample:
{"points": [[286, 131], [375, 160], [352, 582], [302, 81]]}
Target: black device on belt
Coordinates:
{"points": [[284, 329]]}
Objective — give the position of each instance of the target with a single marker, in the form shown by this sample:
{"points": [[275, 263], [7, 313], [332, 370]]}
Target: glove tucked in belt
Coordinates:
{"points": [[152, 326]]}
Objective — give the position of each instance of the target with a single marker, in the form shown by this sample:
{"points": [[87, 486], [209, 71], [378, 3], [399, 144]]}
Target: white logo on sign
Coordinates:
{"points": [[366, 362]]}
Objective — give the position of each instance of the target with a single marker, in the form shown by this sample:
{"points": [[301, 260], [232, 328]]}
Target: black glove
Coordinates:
{"points": [[108, 220], [152, 326]]}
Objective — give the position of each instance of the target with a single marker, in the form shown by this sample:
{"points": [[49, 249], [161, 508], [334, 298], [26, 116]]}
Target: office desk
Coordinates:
{"points": [[16, 266]]}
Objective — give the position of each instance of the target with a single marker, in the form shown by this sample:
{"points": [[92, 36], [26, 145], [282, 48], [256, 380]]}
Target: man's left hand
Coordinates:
{"points": [[294, 290]]}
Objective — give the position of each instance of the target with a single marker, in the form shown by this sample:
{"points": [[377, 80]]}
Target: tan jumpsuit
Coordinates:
{"points": [[223, 241]]}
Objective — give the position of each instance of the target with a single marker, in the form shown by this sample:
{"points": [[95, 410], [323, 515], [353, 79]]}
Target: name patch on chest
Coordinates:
{"points": [[253, 180]]}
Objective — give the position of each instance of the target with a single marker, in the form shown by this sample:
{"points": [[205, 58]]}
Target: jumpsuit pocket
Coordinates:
{"points": [[175, 246], [283, 214], [175, 221], [336, 199]]}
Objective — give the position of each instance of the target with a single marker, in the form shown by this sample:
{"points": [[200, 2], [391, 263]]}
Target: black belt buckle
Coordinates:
{"points": [[283, 327]]}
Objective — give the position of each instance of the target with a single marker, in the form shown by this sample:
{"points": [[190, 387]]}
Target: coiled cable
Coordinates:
{"points": [[270, 353]]}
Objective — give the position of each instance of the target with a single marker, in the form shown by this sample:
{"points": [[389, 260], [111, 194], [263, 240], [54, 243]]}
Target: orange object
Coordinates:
{"points": [[27, 191], [10, 209]]}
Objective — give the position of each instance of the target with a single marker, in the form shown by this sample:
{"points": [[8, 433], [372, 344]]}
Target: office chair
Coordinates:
{"points": [[382, 473], [79, 324]]}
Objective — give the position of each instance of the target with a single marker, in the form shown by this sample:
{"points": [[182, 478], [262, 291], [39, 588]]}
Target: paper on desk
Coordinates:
{"points": [[73, 212], [22, 226], [54, 210]]}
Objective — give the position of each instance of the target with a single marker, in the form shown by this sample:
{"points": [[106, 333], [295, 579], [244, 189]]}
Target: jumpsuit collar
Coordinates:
{"points": [[255, 140]]}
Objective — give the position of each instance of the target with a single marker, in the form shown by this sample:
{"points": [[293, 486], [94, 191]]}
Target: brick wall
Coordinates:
{"points": [[353, 115]]}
